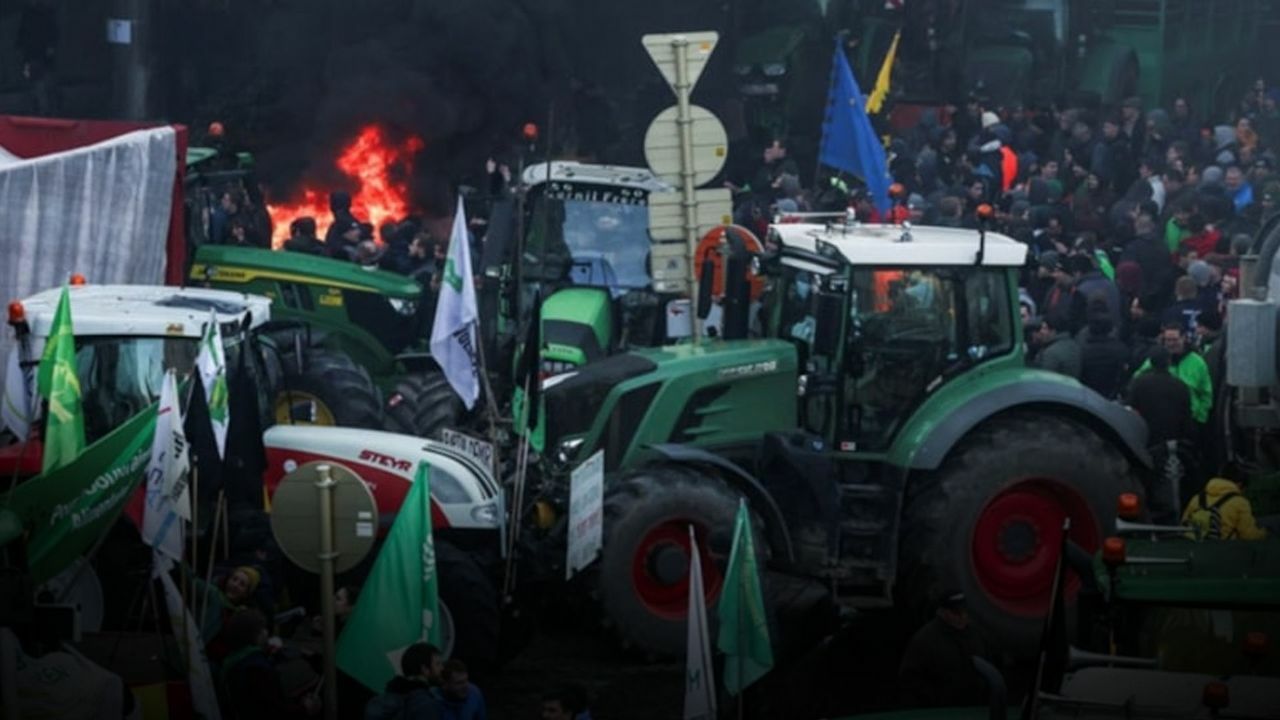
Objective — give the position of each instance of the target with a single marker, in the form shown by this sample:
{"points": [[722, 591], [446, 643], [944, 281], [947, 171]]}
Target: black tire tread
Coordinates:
{"points": [[422, 405], [473, 602], [936, 504], [345, 387], [630, 493]]}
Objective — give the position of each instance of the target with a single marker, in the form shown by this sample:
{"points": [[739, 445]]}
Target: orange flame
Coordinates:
{"points": [[377, 168]]}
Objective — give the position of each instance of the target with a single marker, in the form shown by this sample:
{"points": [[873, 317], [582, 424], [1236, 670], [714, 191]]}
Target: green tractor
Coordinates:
{"points": [[886, 432], [355, 340], [350, 336]]}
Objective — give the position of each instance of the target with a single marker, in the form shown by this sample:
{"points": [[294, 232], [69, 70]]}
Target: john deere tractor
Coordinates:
{"points": [[886, 431], [350, 337]]}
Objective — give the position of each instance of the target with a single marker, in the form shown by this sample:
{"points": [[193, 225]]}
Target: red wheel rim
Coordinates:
{"points": [[1014, 548], [669, 597]]}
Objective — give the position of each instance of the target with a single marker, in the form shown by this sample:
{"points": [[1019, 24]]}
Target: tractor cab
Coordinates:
{"points": [[580, 242], [127, 335], [883, 316]]}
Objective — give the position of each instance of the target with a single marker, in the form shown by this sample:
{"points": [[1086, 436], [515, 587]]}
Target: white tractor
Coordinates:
{"points": [[127, 336]]}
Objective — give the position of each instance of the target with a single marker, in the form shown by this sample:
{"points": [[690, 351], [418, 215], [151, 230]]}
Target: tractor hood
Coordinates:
{"points": [[463, 492], [713, 394], [228, 265]]}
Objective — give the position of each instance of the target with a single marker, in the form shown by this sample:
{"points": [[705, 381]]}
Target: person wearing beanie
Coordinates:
{"points": [[1208, 330], [989, 119], [1104, 359], [221, 602]]}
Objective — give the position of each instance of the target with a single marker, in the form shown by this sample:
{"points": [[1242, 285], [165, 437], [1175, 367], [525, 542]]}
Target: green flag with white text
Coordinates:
{"points": [[211, 361], [399, 603], [744, 627], [60, 385]]}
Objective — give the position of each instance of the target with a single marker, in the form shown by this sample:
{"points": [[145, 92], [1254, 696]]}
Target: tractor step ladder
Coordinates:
{"points": [[866, 545]]}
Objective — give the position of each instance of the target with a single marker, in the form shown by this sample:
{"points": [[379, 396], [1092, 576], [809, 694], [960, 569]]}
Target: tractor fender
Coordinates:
{"points": [[743, 481], [1111, 420]]}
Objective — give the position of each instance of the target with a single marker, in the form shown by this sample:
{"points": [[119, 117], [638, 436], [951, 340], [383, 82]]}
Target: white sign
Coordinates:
{"points": [[709, 149], [697, 47], [119, 32], [666, 213], [586, 514], [474, 448]]}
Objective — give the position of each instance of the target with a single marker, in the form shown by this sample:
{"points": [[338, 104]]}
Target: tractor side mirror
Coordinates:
{"points": [[826, 336], [706, 277]]}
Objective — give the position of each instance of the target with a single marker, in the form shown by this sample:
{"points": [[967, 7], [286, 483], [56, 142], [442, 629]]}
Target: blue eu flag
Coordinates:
{"points": [[848, 141]]}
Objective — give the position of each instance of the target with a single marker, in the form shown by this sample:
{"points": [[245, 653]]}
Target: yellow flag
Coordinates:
{"points": [[881, 91]]}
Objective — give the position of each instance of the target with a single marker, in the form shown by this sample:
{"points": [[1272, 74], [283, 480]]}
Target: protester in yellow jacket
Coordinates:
{"points": [[1221, 511]]}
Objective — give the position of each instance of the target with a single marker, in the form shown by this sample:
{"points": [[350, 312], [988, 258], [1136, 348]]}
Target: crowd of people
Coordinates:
{"points": [[1135, 220], [266, 664]]}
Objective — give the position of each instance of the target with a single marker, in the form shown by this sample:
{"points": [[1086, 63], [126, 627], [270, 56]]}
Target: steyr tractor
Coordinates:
{"points": [[126, 337], [886, 431]]}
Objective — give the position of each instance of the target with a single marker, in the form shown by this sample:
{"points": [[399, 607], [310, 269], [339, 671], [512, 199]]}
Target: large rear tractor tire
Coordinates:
{"points": [[988, 522], [644, 569], [329, 389], [469, 607], [423, 405]]}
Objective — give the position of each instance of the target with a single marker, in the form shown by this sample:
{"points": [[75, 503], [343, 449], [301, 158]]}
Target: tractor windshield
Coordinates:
{"points": [[121, 376], [588, 241], [906, 330]]}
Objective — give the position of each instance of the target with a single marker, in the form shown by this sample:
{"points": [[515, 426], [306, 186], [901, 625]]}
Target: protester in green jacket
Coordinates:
{"points": [[1188, 367]]}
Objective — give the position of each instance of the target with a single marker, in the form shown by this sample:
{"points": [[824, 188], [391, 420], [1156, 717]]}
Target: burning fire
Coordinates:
{"points": [[374, 165]]}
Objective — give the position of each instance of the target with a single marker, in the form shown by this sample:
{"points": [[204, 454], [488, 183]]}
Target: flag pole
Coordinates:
{"points": [[742, 692], [1031, 710], [831, 88], [226, 530], [328, 555]]}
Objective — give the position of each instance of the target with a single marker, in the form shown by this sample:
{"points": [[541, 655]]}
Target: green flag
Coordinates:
{"points": [[59, 384], [744, 629], [398, 605]]}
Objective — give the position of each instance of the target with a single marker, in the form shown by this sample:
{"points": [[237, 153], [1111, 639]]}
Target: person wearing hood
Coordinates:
{"points": [[410, 696], [340, 206], [343, 239], [1230, 512], [222, 602], [1104, 359], [1160, 133]]}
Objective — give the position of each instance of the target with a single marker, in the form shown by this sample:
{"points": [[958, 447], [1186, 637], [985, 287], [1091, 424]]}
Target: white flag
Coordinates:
{"points": [[168, 498], [15, 403], [699, 681], [212, 364], [204, 699], [454, 334]]}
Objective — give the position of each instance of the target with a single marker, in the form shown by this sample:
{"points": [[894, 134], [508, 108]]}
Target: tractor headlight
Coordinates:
{"points": [[485, 514], [774, 70], [567, 450], [403, 307]]}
